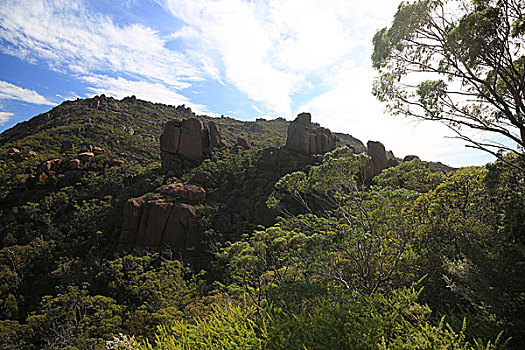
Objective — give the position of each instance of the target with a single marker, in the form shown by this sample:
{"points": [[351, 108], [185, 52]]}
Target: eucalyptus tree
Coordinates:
{"points": [[458, 62]]}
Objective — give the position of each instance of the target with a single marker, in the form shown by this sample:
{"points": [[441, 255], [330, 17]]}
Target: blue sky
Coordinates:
{"points": [[241, 58]]}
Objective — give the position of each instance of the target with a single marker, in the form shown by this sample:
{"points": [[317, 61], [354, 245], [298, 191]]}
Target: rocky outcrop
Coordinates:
{"points": [[410, 157], [86, 157], [305, 139], [381, 159], [50, 165], [216, 139], [158, 223], [242, 142], [298, 137], [185, 191], [171, 219], [184, 143]]}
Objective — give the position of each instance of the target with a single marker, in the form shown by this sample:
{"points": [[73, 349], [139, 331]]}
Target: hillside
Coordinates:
{"points": [[121, 216]]}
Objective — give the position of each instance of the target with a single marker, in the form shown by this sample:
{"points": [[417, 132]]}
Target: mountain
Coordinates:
{"points": [[104, 201]]}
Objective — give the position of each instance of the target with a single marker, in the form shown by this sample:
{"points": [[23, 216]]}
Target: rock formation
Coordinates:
{"points": [[305, 139], [381, 159], [242, 142], [184, 190], [171, 219], [185, 142], [410, 157], [158, 223]]}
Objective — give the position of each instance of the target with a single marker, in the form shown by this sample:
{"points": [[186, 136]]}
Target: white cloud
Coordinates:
{"points": [[68, 38], [4, 117], [10, 91], [272, 50]]}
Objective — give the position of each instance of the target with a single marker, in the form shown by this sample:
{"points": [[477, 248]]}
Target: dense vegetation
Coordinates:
{"points": [[422, 256], [419, 258]]}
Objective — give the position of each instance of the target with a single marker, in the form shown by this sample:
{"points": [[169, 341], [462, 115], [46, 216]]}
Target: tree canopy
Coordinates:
{"points": [[458, 62]]}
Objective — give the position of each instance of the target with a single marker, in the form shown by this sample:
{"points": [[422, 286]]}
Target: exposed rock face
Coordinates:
{"points": [[381, 159], [215, 135], [170, 138], [193, 139], [86, 157], [242, 142], [298, 137], [184, 143], [171, 220], [410, 157], [159, 224], [185, 191], [304, 139]]}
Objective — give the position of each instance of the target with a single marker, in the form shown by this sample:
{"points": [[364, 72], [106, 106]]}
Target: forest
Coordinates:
{"points": [[414, 255]]}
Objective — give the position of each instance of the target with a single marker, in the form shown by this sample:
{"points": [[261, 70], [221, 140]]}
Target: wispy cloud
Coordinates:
{"points": [[4, 117], [69, 38], [10, 91], [273, 50]]}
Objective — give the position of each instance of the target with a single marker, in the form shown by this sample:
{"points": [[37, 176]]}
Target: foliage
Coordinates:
{"points": [[227, 327], [414, 175], [460, 63], [470, 250], [229, 167], [342, 269], [74, 320], [365, 231]]}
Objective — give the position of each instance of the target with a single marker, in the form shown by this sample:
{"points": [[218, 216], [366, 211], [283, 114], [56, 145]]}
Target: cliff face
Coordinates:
{"points": [[305, 139]]}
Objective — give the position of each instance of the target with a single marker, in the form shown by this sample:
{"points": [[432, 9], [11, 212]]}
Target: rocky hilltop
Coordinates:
{"points": [[149, 161], [120, 204], [171, 218]]}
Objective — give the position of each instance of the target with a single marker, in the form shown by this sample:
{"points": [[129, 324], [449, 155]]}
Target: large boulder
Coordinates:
{"points": [[242, 142], [184, 190], [182, 229], [152, 223], [158, 224], [298, 137], [185, 143], [192, 139], [170, 138], [50, 165], [380, 159], [215, 134], [304, 138]]}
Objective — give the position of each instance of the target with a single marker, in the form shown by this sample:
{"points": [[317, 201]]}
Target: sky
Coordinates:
{"points": [[245, 59]]}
